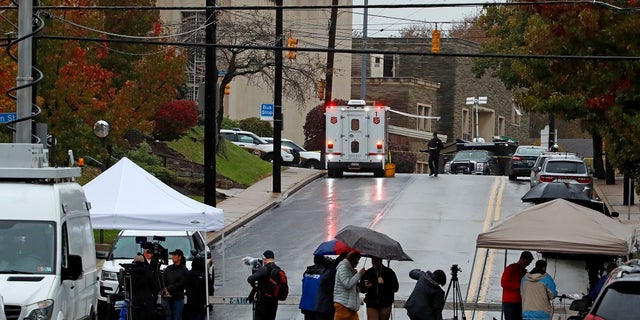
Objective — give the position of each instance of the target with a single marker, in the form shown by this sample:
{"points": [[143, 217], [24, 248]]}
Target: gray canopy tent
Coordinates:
{"points": [[560, 226]]}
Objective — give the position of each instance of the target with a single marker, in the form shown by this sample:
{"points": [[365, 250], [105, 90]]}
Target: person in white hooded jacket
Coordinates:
{"points": [[537, 290], [345, 292]]}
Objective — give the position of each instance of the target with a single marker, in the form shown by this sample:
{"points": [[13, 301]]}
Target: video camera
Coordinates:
{"points": [[254, 263], [160, 253], [454, 271]]}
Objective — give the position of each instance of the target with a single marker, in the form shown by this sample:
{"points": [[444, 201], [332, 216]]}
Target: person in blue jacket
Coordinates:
{"points": [[311, 279], [537, 290]]}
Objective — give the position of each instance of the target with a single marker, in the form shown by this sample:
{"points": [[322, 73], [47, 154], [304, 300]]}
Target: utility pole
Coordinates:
{"points": [[24, 79], [210, 106], [552, 131], [330, 54], [277, 102], [364, 56]]}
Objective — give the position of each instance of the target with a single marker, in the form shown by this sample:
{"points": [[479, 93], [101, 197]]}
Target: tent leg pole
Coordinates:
{"points": [[484, 266]]}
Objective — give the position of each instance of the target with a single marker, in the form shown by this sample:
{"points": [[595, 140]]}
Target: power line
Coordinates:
{"points": [[376, 6], [352, 51]]}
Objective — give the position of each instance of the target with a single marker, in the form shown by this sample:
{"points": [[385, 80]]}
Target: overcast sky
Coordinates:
{"points": [[384, 22]]}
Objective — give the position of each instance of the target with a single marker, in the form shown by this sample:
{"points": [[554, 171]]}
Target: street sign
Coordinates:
{"points": [[266, 111], [6, 117], [222, 73]]}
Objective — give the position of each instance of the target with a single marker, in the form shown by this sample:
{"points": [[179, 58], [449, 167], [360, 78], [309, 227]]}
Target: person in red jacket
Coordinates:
{"points": [[510, 282]]}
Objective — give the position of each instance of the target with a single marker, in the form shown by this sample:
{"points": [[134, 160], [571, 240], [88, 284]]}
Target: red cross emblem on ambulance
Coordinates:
{"points": [[334, 120], [376, 120]]}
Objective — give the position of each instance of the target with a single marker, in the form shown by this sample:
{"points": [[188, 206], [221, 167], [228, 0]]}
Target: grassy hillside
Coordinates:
{"points": [[232, 161]]}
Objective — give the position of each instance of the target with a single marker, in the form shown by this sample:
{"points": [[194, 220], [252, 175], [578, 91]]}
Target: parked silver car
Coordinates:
{"points": [[542, 159], [566, 170]]}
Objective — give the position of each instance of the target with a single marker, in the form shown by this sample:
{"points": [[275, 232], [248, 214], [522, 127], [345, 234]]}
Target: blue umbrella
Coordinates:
{"points": [[331, 247]]}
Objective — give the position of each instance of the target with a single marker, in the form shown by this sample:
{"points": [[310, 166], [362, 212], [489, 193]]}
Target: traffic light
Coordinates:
{"points": [[291, 43], [227, 88], [435, 41], [321, 85]]}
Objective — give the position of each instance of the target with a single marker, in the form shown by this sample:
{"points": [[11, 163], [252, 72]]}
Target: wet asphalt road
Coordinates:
{"points": [[436, 219]]}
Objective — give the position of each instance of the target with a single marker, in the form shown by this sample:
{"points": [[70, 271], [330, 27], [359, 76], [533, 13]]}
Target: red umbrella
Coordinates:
{"points": [[331, 247]]}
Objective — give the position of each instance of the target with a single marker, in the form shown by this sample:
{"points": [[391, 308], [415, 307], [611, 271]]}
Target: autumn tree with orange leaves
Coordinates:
{"points": [[86, 81]]}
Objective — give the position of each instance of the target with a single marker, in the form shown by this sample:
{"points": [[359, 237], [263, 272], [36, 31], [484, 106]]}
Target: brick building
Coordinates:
{"points": [[436, 86]]}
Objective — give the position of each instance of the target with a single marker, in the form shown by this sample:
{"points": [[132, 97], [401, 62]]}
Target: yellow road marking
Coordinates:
{"points": [[482, 278]]}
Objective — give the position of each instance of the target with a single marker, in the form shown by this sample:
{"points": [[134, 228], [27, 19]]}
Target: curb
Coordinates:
{"points": [[602, 196], [217, 236]]}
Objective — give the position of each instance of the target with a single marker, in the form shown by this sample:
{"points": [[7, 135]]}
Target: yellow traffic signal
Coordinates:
{"points": [[321, 85], [435, 41], [291, 43], [227, 88]]}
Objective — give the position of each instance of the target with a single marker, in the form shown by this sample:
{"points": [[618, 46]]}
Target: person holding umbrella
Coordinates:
{"points": [[345, 292], [379, 284]]}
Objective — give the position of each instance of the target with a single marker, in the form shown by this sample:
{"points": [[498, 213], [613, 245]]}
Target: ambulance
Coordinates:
{"points": [[356, 139]]}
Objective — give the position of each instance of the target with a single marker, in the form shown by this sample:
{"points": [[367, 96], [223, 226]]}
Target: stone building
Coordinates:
{"points": [[436, 86]]}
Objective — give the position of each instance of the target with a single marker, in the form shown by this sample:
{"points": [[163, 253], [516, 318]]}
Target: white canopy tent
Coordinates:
{"points": [[125, 196], [560, 226]]}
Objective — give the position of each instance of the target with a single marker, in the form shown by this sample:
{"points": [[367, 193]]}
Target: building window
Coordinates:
{"points": [[424, 124], [501, 125], [389, 69], [466, 134], [516, 115]]}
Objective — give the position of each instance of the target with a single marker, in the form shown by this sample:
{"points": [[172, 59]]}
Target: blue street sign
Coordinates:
{"points": [[222, 73], [6, 117], [266, 111]]}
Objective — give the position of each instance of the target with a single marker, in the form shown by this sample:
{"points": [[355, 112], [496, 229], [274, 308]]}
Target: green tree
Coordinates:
{"points": [[592, 90]]}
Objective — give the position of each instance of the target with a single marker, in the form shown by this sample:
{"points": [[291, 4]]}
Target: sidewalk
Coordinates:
{"points": [[612, 195], [258, 198]]}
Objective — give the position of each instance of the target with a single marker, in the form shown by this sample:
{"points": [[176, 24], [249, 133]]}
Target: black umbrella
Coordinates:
{"points": [[372, 243], [547, 191]]}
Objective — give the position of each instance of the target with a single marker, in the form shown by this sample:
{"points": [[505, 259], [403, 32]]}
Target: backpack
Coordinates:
{"points": [[277, 286]]}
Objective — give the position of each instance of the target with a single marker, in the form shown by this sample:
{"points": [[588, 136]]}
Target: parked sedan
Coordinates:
{"points": [[473, 162], [522, 160], [308, 159]]}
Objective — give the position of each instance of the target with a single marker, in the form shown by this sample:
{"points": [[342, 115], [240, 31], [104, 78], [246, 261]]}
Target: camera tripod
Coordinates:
{"points": [[458, 302]]}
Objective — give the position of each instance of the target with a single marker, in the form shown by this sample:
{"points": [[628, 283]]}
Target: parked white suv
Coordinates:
{"points": [[308, 159], [259, 147], [129, 243]]}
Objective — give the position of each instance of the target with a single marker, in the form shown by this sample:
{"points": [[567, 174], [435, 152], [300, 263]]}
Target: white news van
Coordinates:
{"points": [[47, 256], [356, 138]]}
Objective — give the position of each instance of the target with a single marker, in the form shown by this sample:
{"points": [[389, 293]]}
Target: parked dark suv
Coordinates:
{"points": [[619, 299], [522, 160], [481, 162]]}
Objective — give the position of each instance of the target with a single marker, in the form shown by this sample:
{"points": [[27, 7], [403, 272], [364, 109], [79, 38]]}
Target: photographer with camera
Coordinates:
{"points": [[173, 290], [426, 301], [265, 307]]}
